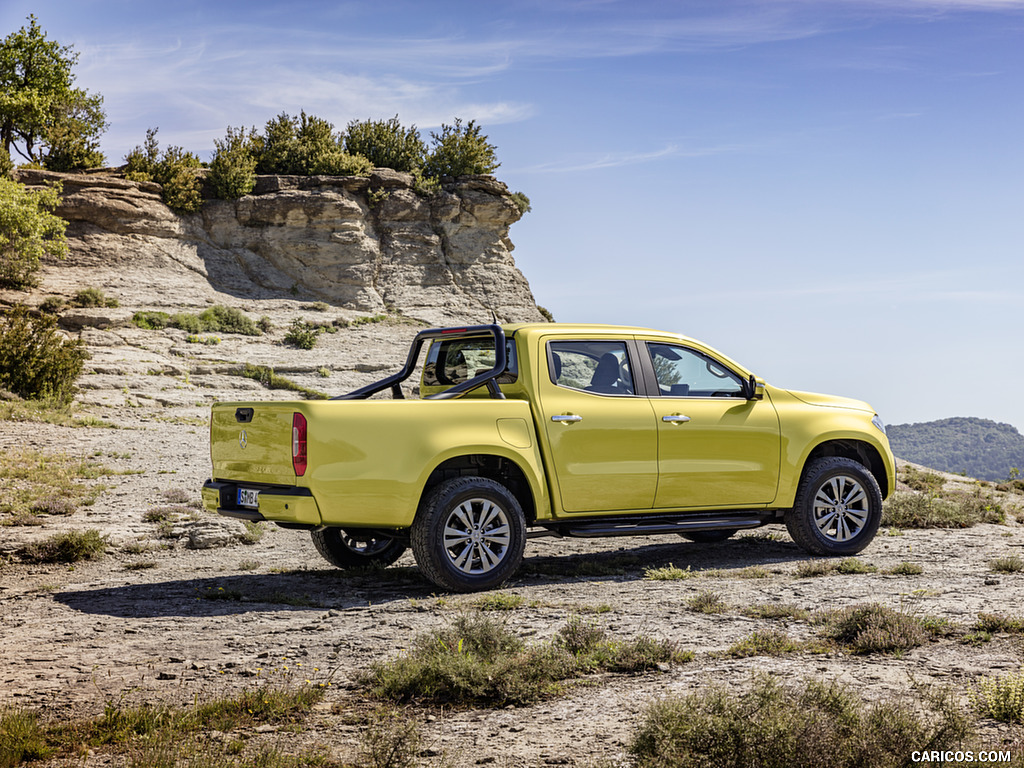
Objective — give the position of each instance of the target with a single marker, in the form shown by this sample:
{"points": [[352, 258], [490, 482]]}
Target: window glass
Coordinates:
{"points": [[683, 372], [454, 361], [593, 366]]}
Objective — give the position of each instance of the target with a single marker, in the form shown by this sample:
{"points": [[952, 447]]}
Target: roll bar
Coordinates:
{"points": [[488, 378]]}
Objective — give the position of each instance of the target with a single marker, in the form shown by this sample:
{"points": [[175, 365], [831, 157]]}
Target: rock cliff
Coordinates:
{"points": [[369, 244]]}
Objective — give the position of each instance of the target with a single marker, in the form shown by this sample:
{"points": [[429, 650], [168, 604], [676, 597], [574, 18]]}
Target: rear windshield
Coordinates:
{"points": [[454, 361]]}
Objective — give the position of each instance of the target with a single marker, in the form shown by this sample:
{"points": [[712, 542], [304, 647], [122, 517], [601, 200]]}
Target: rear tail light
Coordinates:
{"points": [[299, 443]]}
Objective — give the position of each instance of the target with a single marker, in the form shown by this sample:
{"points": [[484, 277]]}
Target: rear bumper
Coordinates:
{"points": [[276, 504]]}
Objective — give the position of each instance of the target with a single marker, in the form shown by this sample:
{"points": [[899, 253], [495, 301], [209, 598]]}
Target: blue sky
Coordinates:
{"points": [[829, 191]]}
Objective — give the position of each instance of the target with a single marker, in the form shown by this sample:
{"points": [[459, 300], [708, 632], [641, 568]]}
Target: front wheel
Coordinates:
{"points": [[469, 534], [357, 549], [838, 508]]}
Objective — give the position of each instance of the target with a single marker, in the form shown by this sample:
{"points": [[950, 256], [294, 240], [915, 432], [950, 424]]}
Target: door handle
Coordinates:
{"points": [[567, 419], [675, 419]]}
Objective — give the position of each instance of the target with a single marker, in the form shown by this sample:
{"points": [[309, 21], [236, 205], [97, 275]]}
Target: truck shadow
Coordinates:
{"points": [[332, 589]]}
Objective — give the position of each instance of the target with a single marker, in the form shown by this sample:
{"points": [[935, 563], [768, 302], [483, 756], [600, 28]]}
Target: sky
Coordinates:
{"points": [[828, 191]]}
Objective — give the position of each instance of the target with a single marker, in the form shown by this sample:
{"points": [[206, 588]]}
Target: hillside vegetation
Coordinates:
{"points": [[977, 447]]}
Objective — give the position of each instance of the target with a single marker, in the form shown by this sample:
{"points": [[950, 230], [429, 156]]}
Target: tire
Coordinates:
{"points": [[469, 534], [357, 549], [838, 508], [710, 537]]}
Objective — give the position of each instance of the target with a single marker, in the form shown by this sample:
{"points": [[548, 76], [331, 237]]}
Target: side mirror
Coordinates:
{"points": [[753, 389]]}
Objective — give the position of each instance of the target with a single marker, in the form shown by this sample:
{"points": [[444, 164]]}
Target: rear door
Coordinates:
{"points": [[601, 434], [715, 447]]}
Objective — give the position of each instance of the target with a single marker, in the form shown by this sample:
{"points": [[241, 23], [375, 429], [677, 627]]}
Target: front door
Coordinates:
{"points": [[715, 447], [602, 436]]}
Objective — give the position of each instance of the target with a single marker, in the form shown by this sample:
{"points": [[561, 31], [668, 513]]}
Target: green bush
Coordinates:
{"points": [[216, 319], [151, 320], [35, 360], [70, 547], [28, 231], [304, 145], [174, 171], [1001, 698], [302, 334], [93, 297], [875, 628], [906, 509], [460, 150], [233, 168], [22, 737], [815, 725], [386, 144], [522, 203]]}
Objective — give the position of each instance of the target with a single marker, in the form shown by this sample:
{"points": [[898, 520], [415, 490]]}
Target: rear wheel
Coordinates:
{"points": [[469, 534], [838, 508], [357, 549]]}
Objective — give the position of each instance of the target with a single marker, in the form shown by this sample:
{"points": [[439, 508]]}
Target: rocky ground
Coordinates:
{"points": [[160, 620]]}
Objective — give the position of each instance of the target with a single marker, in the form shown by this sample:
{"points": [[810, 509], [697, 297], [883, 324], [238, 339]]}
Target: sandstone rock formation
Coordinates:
{"points": [[363, 243]]}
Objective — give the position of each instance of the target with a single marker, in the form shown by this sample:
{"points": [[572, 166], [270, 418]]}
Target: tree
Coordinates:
{"points": [[35, 359], [43, 117], [386, 143], [460, 150], [28, 231]]}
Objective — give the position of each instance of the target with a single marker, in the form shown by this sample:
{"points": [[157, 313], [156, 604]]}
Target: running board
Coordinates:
{"points": [[644, 528]]}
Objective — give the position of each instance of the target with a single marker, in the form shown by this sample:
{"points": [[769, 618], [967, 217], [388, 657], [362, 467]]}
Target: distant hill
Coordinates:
{"points": [[977, 447]]}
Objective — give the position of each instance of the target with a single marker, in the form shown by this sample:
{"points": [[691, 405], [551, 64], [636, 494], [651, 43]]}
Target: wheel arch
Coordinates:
{"points": [[496, 467], [864, 453]]}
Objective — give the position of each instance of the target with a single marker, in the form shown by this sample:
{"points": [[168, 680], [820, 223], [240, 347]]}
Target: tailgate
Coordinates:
{"points": [[252, 442]]}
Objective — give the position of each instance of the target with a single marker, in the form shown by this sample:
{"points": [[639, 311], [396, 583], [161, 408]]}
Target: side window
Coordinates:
{"points": [[684, 372], [592, 366]]}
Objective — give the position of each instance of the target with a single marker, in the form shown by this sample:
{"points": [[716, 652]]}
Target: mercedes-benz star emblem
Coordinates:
{"points": [[243, 439]]}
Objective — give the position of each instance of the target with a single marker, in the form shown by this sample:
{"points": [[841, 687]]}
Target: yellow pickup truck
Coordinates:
{"points": [[551, 430]]}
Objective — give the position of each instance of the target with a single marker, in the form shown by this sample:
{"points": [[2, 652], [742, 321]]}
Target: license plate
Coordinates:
{"points": [[247, 497]]}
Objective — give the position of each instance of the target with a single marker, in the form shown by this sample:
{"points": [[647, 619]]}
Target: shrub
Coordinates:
{"points": [[233, 168], [386, 144], [920, 510], [875, 628], [22, 738], [1001, 698], [669, 573], [776, 611], [1008, 564], [766, 642], [853, 565], [460, 150], [266, 376], [222, 319], [302, 334], [93, 297], [28, 231], [216, 319], [500, 601], [808, 569], [813, 725], [707, 602], [391, 739], [477, 660], [35, 360], [522, 203], [151, 320], [174, 171], [997, 622], [52, 305], [70, 547]]}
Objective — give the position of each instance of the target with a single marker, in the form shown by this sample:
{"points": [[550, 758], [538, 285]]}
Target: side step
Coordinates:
{"points": [[603, 529]]}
